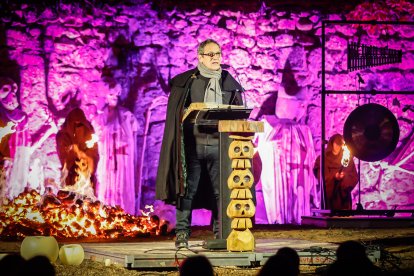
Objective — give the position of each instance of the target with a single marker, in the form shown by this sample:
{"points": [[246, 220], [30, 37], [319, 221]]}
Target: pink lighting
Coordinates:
{"points": [[59, 59]]}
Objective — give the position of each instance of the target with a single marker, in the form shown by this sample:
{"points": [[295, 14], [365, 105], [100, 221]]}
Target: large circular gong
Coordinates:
{"points": [[371, 132]]}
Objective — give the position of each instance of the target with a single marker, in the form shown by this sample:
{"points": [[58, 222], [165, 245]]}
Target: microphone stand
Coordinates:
{"points": [[359, 207], [225, 66], [242, 92]]}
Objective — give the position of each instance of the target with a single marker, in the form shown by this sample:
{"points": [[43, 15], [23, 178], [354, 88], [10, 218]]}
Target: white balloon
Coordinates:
{"points": [[39, 246], [71, 254]]}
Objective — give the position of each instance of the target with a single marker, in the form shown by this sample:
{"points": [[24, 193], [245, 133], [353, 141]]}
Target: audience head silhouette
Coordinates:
{"points": [[284, 262], [196, 265], [11, 265], [16, 265], [351, 251], [351, 259], [39, 265]]}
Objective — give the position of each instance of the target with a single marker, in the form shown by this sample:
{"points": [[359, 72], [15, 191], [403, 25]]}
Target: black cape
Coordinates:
{"points": [[170, 186]]}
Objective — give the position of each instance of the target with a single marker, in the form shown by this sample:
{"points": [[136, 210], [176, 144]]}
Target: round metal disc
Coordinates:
{"points": [[371, 132]]}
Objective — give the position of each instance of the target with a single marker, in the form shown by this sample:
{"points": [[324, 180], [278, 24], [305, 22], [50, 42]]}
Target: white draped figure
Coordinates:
{"points": [[287, 155], [16, 146], [117, 129]]}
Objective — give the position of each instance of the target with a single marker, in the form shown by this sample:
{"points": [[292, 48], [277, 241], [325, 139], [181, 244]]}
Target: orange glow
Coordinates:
{"points": [[68, 215], [7, 129]]}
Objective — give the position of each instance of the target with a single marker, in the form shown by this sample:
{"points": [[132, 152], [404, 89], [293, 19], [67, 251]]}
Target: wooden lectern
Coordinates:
{"points": [[236, 152]]}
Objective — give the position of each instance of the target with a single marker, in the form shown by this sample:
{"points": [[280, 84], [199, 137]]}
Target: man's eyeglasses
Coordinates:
{"points": [[212, 55]]}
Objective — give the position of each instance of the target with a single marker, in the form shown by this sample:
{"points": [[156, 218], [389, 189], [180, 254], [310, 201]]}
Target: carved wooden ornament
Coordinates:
{"points": [[241, 223], [241, 194], [241, 208], [241, 149], [240, 241], [241, 164], [240, 179]]}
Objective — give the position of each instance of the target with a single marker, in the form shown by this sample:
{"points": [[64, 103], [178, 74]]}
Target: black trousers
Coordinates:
{"points": [[199, 157]]}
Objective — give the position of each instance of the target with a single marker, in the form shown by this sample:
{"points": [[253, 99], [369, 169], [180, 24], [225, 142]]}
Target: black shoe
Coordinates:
{"points": [[181, 240]]}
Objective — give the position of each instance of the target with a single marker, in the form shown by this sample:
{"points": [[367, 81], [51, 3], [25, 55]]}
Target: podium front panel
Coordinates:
{"points": [[225, 171]]}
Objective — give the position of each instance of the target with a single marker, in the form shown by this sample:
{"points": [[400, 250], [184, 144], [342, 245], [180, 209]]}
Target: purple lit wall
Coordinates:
{"points": [[58, 56]]}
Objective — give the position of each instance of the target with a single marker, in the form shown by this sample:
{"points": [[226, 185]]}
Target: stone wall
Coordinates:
{"points": [[59, 54]]}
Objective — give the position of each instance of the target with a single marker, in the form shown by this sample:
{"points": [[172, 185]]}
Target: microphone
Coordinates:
{"points": [[226, 66], [241, 91], [360, 79]]}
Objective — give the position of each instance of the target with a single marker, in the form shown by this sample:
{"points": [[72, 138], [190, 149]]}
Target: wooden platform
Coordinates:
{"points": [[162, 254], [358, 221], [360, 218]]}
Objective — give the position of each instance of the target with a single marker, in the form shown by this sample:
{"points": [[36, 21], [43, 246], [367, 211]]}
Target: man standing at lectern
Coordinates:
{"points": [[188, 170]]}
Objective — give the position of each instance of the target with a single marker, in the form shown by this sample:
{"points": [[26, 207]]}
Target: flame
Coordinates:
{"points": [[69, 215], [92, 142], [151, 210], [84, 168], [346, 156], [7, 129]]}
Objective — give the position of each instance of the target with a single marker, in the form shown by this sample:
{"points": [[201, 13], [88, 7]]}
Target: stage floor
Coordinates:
{"points": [[162, 254], [314, 245]]}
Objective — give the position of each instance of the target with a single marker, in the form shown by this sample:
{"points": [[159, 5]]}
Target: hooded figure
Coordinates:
{"points": [[10, 116], [339, 180], [118, 145], [14, 141]]}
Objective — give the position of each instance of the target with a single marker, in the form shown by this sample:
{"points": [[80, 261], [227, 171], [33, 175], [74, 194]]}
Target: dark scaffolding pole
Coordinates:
{"points": [[325, 92], [323, 95]]}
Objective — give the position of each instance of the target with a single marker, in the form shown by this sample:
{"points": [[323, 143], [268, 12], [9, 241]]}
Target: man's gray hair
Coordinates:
{"points": [[203, 44]]}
